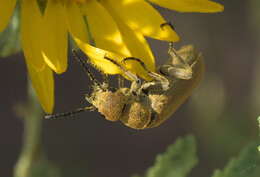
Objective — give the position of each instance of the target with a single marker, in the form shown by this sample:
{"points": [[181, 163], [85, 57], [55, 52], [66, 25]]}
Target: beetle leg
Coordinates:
{"points": [[136, 84], [121, 82], [105, 80], [85, 67], [159, 79], [178, 67], [177, 60]]}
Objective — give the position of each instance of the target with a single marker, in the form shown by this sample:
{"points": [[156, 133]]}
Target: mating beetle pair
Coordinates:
{"points": [[148, 104]]}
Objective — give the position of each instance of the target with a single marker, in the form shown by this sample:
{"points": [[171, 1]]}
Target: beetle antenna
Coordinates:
{"points": [[85, 67], [68, 114]]}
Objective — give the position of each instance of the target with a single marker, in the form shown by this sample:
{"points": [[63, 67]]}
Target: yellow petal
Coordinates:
{"points": [[43, 84], [31, 34], [190, 5], [75, 22], [55, 37], [140, 15], [96, 55], [138, 47], [6, 10], [103, 28], [97, 58]]}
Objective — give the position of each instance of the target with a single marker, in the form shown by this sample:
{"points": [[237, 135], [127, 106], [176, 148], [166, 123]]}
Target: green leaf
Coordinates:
{"points": [[177, 161], [247, 164], [135, 175], [44, 168], [9, 38]]}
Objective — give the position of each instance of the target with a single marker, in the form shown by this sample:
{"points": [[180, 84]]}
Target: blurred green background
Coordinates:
{"points": [[221, 113]]}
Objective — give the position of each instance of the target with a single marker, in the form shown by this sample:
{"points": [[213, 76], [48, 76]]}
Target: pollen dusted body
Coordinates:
{"points": [[148, 104], [133, 111], [146, 107]]}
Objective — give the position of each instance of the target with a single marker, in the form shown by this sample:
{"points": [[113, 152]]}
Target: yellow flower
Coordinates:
{"points": [[111, 28]]}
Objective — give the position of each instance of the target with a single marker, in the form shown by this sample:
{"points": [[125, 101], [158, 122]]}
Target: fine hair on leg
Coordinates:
{"points": [[86, 69]]}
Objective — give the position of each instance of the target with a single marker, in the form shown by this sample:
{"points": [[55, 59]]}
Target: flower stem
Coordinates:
{"points": [[31, 151]]}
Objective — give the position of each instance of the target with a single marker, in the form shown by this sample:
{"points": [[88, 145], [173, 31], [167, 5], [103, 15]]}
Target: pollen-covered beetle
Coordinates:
{"points": [[146, 104]]}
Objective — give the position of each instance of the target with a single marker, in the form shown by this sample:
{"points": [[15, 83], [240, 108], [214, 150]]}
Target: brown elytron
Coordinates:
{"points": [[165, 103], [148, 104]]}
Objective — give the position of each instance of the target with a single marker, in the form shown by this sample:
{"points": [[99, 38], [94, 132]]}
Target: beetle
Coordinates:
{"points": [[146, 104]]}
